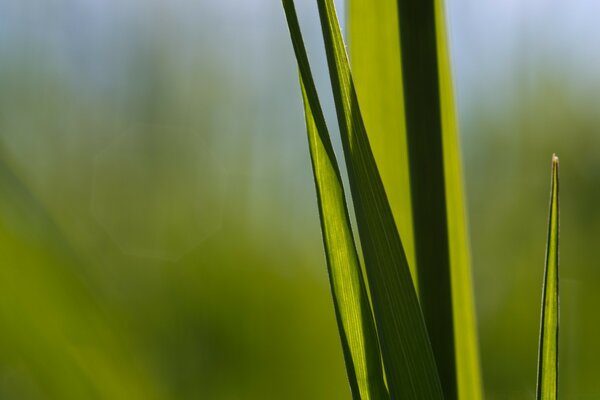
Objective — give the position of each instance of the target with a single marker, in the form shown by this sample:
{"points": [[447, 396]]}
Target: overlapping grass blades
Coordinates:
{"points": [[374, 43], [440, 234], [406, 352], [547, 381], [406, 79], [355, 321], [401, 57], [412, 115]]}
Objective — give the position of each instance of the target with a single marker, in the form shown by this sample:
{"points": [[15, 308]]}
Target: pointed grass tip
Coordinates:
{"points": [[554, 159]]}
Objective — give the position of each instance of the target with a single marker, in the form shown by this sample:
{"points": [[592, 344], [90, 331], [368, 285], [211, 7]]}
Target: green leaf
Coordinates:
{"points": [[376, 68], [407, 355], [547, 383], [440, 228], [355, 321], [466, 345]]}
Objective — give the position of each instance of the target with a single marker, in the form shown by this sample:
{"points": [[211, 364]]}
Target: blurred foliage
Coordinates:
{"points": [[245, 311], [509, 150]]}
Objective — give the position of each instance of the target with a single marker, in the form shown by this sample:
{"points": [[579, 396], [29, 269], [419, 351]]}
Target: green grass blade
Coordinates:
{"points": [[440, 229], [355, 321], [406, 351], [376, 68], [424, 131], [465, 325], [547, 383]]}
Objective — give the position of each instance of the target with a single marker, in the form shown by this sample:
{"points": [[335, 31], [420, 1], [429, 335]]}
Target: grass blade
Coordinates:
{"points": [[547, 383], [440, 229], [406, 351], [468, 375], [376, 68], [355, 321]]}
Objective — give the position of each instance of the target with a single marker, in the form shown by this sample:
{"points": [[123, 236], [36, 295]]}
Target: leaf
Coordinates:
{"points": [[407, 355], [440, 229], [376, 68], [465, 326], [355, 321], [547, 383]]}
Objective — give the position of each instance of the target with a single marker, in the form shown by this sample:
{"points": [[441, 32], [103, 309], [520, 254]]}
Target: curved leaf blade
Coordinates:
{"points": [[547, 383], [353, 312]]}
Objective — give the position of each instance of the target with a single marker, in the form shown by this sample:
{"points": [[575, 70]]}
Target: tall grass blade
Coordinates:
{"points": [[547, 383], [353, 312], [374, 43], [440, 233], [466, 344], [407, 355]]}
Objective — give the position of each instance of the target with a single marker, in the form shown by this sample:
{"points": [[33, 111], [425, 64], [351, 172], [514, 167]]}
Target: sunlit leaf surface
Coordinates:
{"points": [[374, 41]]}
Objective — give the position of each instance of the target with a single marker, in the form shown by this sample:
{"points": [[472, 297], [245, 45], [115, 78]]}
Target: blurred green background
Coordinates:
{"points": [[159, 235]]}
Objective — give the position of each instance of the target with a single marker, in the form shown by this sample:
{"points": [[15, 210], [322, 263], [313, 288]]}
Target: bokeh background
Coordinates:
{"points": [[159, 235]]}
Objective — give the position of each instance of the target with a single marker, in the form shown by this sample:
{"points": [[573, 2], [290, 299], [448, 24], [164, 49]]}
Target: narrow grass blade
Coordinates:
{"points": [[407, 355], [547, 383], [440, 229], [355, 321], [466, 342], [376, 68]]}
